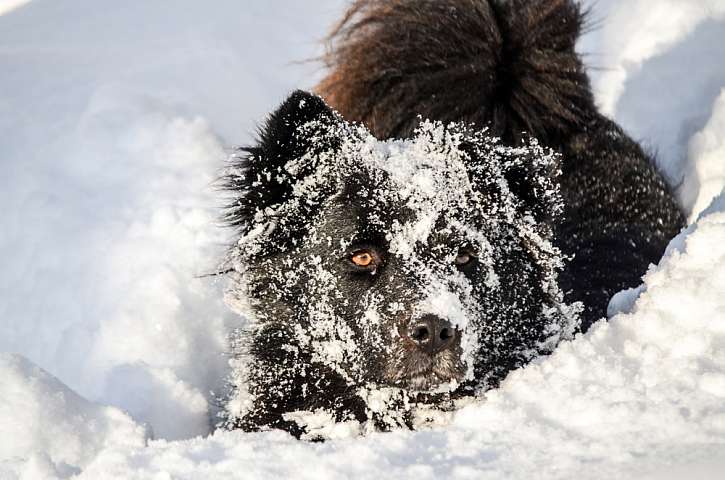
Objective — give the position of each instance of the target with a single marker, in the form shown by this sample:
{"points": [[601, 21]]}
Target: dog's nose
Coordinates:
{"points": [[432, 334]]}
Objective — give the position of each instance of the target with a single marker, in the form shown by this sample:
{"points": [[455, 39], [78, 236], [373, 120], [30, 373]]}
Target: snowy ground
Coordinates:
{"points": [[115, 118]]}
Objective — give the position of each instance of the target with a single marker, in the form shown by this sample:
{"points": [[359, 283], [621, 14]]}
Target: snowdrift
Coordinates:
{"points": [[115, 121]]}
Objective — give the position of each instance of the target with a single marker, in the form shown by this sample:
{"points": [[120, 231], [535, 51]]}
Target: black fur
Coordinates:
{"points": [[278, 142], [509, 66], [292, 263]]}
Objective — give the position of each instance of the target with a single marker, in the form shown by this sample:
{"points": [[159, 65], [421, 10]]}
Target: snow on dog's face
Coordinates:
{"points": [[417, 267]]}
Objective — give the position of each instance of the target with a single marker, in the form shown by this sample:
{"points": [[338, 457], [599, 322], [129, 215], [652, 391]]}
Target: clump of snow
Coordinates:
{"points": [[321, 424], [174, 408], [705, 175]]}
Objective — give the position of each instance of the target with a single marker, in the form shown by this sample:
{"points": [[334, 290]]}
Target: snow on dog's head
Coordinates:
{"points": [[377, 275]]}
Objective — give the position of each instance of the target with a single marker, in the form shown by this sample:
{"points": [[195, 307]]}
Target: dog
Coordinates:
{"points": [[455, 207]]}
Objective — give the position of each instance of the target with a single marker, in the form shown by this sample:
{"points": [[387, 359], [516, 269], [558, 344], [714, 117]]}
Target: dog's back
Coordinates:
{"points": [[511, 66]]}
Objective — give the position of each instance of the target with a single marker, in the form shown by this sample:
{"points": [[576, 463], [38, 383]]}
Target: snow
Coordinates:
{"points": [[114, 132], [705, 173], [8, 5], [115, 120], [657, 59], [57, 427]]}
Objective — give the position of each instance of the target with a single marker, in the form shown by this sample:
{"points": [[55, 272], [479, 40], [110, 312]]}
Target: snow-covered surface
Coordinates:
{"points": [[657, 70], [59, 428], [115, 118], [8, 5]]}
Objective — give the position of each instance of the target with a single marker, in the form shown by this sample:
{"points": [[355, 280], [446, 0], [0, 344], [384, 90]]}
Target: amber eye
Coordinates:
{"points": [[464, 258], [362, 258]]}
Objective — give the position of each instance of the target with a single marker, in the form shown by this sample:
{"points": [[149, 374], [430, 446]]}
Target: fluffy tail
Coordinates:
{"points": [[507, 64]]}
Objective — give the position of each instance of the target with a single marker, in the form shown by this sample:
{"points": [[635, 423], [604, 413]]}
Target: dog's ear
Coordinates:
{"points": [[530, 171], [533, 179], [258, 177], [282, 138]]}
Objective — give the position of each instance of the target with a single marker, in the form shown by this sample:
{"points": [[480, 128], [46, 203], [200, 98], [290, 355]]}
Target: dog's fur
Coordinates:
{"points": [[330, 341], [510, 65]]}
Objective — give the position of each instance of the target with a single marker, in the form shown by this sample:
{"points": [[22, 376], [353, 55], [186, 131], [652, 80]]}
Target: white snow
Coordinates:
{"points": [[705, 174], [9, 5], [43, 421], [115, 118], [115, 122], [656, 69]]}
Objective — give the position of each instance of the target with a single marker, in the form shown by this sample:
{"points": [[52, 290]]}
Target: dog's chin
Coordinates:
{"points": [[430, 382], [422, 373]]}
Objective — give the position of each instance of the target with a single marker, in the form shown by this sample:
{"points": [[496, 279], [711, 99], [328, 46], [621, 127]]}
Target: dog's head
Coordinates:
{"points": [[424, 264]]}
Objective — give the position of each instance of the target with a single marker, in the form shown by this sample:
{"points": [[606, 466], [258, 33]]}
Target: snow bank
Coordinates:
{"points": [[656, 68], [705, 175], [114, 119], [52, 427]]}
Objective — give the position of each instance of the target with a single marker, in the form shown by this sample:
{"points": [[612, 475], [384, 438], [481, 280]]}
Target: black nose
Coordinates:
{"points": [[432, 334]]}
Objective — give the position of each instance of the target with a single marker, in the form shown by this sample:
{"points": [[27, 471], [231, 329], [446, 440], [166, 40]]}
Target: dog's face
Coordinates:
{"points": [[423, 264]]}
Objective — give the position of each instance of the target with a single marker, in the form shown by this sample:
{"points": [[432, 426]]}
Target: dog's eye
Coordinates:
{"points": [[464, 258], [362, 258], [366, 259]]}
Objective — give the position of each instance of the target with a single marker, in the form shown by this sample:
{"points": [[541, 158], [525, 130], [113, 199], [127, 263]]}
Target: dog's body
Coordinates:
{"points": [[382, 275], [510, 65]]}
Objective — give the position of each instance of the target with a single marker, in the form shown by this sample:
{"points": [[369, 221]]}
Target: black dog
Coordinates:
{"points": [[380, 276]]}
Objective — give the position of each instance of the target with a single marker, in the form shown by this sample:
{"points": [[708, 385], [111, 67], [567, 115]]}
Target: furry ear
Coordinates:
{"points": [[533, 179], [531, 173], [257, 177]]}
